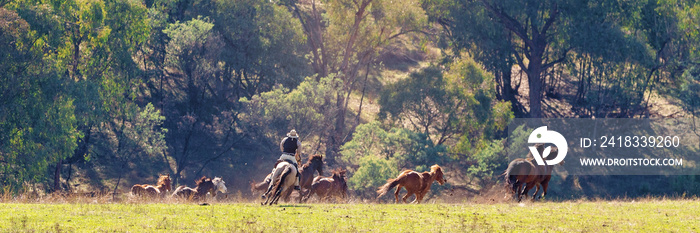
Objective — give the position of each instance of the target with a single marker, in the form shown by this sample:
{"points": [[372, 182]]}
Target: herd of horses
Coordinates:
{"points": [[520, 176], [204, 186]]}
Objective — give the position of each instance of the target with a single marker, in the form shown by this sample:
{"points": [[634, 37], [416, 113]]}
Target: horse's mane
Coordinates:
{"points": [[312, 158], [435, 168], [202, 180]]}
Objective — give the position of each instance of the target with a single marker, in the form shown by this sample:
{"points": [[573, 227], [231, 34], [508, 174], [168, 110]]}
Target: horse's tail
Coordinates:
{"points": [[510, 179], [390, 184], [255, 186], [287, 170], [280, 183]]}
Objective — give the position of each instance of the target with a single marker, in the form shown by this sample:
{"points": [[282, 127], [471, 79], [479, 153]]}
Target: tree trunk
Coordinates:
{"points": [[176, 178], [57, 176], [338, 132], [535, 43], [535, 82], [507, 93], [535, 96], [116, 187]]}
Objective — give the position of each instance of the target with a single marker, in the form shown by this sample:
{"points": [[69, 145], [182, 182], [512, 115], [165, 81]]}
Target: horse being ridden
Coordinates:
{"points": [[291, 153], [526, 172], [153, 191], [283, 178], [204, 185], [306, 176], [414, 182], [326, 187]]}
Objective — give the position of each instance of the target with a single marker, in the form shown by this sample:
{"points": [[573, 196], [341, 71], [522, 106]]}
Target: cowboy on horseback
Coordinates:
{"points": [[291, 153]]}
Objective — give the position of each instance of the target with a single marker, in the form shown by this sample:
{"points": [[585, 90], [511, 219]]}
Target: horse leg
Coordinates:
{"points": [[544, 189], [271, 184], [272, 199], [264, 202], [269, 188], [277, 195], [510, 189], [323, 196], [301, 196], [517, 187], [309, 194], [419, 198], [537, 189], [528, 186], [396, 194], [287, 194], [276, 199], [408, 194], [269, 199]]}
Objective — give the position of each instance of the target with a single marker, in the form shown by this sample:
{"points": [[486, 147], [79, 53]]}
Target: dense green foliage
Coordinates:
{"points": [[375, 155], [99, 94]]}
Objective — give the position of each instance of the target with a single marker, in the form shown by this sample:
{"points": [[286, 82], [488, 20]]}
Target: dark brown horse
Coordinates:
{"points": [[414, 182], [526, 172], [314, 164], [153, 191], [327, 187], [204, 185]]}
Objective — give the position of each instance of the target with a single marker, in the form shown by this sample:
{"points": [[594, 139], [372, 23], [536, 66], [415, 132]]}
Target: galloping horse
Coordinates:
{"points": [[151, 191], [306, 177], [326, 187], [204, 185], [526, 172], [315, 163], [414, 182], [282, 180]]}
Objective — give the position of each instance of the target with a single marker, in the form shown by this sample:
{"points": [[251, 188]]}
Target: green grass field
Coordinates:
{"points": [[584, 216]]}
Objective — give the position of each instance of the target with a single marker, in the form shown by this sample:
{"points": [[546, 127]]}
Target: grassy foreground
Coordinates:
{"points": [[607, 216]]}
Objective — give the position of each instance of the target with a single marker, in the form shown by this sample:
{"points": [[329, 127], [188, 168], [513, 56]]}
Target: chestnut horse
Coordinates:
{"points": [[526, 172], [306, 177], [153, 191], [327, 187], [414, 182], [282, 180], [204, 185]]}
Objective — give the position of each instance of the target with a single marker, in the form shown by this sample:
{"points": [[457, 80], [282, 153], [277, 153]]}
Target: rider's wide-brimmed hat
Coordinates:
{"points": [[292, 134]]}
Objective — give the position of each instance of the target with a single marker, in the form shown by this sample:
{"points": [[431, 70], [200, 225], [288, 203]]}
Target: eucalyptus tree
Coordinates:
{"points": [[83, 51], [225, 51], [37, 118], [538, 36], [345, 37]]}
